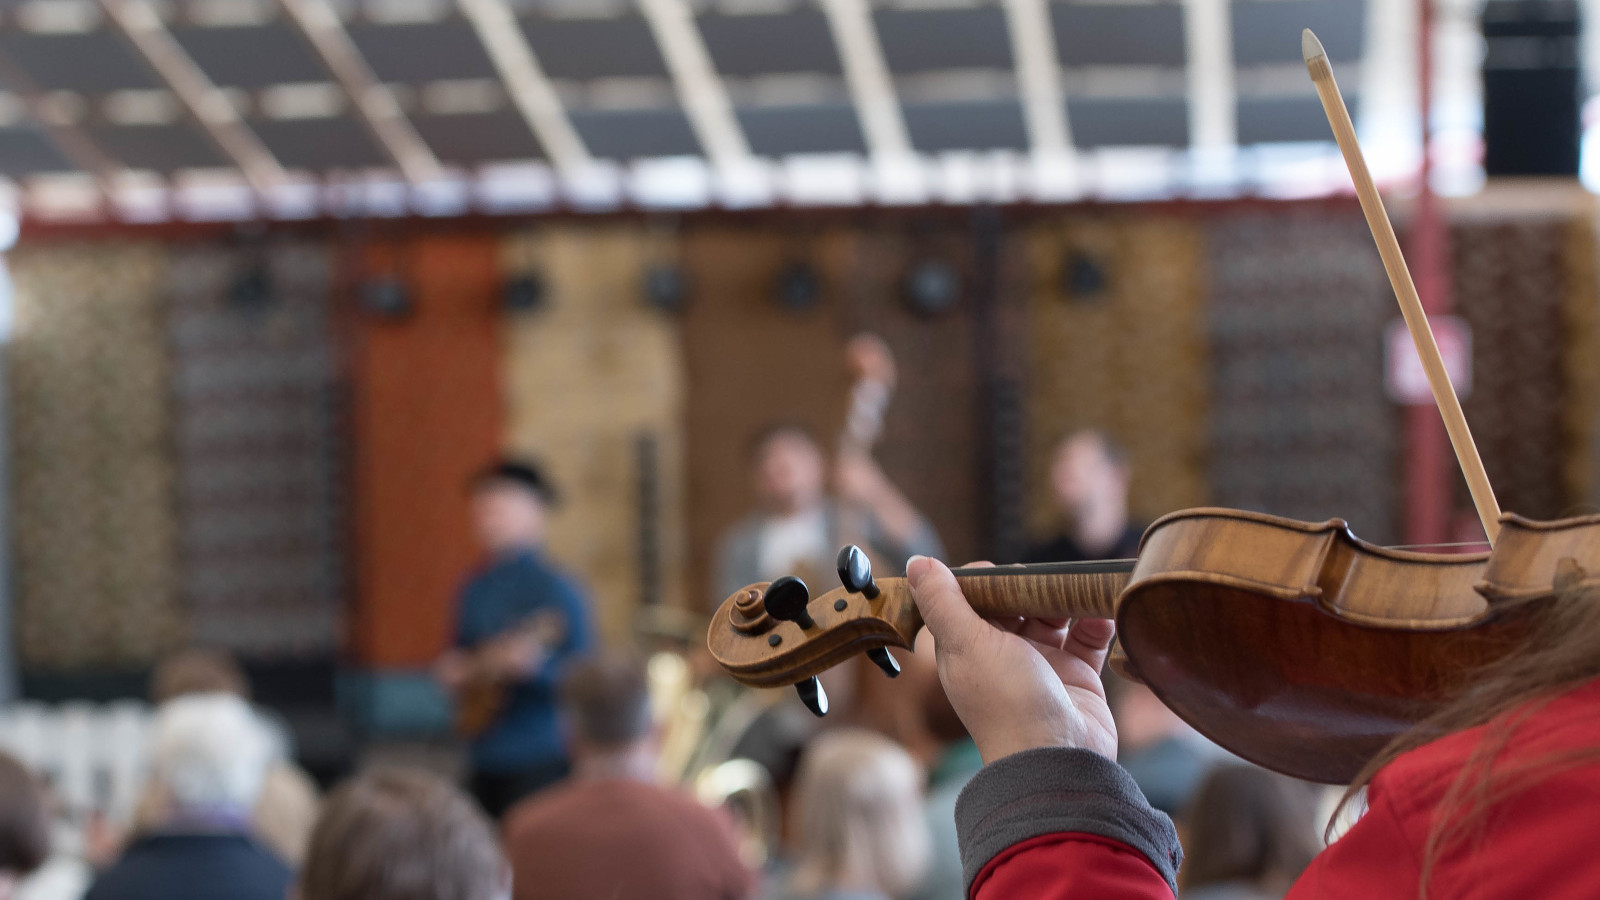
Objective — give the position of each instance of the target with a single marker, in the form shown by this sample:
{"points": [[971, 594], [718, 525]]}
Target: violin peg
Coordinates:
{"points": [[881, 658], [813, 696], [786, 600], [855, 572]]}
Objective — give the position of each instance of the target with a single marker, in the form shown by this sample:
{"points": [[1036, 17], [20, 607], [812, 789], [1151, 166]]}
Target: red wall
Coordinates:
{"points": [[426, 414]]}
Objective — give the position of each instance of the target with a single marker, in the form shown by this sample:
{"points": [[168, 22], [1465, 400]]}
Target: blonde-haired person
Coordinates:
{"points": [[856, 820]]}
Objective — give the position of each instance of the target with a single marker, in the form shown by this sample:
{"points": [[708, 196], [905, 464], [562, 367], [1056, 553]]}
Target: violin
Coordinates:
{"points": [[1293, 645]]}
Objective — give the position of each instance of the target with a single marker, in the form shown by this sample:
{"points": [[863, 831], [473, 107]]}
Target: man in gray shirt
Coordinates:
{"points": [[797, 529]]}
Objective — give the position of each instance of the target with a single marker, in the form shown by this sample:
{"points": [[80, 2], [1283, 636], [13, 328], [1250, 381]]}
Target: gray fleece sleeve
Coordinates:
{"points": [[1053, 790]]}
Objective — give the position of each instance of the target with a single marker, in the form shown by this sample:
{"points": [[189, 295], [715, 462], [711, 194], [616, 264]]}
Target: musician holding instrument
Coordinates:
{"points": [[519, 621], [796, 525], [1089, 477]]}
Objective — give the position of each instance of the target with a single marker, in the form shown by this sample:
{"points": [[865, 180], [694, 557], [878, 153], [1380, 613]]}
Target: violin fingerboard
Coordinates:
{"points": [[1078, 595]]}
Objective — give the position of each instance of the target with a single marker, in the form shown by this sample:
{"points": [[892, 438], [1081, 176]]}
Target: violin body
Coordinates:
{"points": [[1298, 646], [1294, 645]]}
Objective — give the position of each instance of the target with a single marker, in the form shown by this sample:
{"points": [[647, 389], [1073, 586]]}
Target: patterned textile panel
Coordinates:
{"points": [[1115, 342], [93, 480], [587, 376], [1582, 365], [1514, 282], [258, 445], [1301, 426]]}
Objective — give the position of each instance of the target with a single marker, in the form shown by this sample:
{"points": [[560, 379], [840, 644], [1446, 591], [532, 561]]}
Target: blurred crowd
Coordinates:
{"points": [[572, 793]]}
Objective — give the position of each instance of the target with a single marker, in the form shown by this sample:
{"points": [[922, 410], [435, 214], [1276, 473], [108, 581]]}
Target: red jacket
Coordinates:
{"points": [[1541, 841]]}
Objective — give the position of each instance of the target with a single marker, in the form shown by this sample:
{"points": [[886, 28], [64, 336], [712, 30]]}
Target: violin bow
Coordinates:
{"points": [[1394, 262]]}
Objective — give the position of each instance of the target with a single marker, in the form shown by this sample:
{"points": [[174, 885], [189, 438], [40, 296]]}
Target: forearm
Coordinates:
{"points": [[898, 520], [1063, 824]]}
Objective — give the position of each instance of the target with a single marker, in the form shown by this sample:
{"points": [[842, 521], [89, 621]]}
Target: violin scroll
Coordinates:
{"points": [[772, 634]]}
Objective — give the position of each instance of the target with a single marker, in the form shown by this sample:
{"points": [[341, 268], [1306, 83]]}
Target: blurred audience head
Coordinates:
{"points": [[286, 812], [787, 468], [402, 834], [511, 503], [856, 816], [197, 671], [1089, 475], [24, 824], [1250, 828], [607, 702], [210, 756]]}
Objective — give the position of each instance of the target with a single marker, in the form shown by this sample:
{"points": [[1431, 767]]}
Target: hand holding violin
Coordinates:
{"points": [[1021, 683]]}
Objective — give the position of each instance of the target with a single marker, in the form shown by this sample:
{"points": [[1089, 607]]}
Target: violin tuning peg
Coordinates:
{"points": [[855, 572], [884, 660], [786, 600], [813, 696]]}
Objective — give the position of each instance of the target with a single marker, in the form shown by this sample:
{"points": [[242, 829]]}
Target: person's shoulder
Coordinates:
{"points": [[547, 809], [477, 579], [258, 857], [160, 864], [1550, 729]]}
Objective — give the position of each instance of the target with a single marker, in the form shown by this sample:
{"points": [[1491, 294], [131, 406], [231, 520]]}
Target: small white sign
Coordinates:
{"points": [[1404, 377]]}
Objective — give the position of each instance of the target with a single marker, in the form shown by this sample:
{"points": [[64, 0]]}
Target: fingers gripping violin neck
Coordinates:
{"points": [[772, 634]]}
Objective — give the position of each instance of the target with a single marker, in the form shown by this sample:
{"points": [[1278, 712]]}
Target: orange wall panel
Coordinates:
{"points": [[426, 414]]}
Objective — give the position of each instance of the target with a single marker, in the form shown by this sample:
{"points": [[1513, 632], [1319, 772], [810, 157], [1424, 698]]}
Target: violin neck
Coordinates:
{"points": [[1048, 590]]}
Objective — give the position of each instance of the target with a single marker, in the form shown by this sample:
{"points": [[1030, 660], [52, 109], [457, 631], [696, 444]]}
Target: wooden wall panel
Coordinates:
{"points": [[930, 445], [1129, 358], [587, 377], [751, 363], [426, 414], [93, 522]]}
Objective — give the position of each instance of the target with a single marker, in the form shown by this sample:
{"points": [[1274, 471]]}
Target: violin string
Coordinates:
{"points": [[1447, 546]]}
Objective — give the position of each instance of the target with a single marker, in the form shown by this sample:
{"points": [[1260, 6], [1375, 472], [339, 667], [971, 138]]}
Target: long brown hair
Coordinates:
{"points": [[1557, 656], [402, 834], [24, 819]]}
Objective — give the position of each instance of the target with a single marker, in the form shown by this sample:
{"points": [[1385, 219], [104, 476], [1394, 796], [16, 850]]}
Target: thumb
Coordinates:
{"points": [[945, 610]]}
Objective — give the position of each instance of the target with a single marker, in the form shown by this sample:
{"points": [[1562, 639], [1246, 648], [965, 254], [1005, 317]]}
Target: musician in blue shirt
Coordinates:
{"points": [[519, 622]]}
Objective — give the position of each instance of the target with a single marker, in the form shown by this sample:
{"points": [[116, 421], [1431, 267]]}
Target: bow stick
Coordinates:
{"points": [[1394, 262]]}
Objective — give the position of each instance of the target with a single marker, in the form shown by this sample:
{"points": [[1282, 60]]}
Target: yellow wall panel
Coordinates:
{"points": [[587, 376]]}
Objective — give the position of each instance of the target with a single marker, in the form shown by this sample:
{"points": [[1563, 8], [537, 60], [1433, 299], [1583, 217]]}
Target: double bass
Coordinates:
{"points": [[1294, 645]]}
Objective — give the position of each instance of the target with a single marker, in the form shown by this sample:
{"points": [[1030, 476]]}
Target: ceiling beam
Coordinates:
{"points": [[1033, 47], [374, 102], [867, 74], [525, 80], [702, 94], [138, 21], [1213, 98], [73, 142]]}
